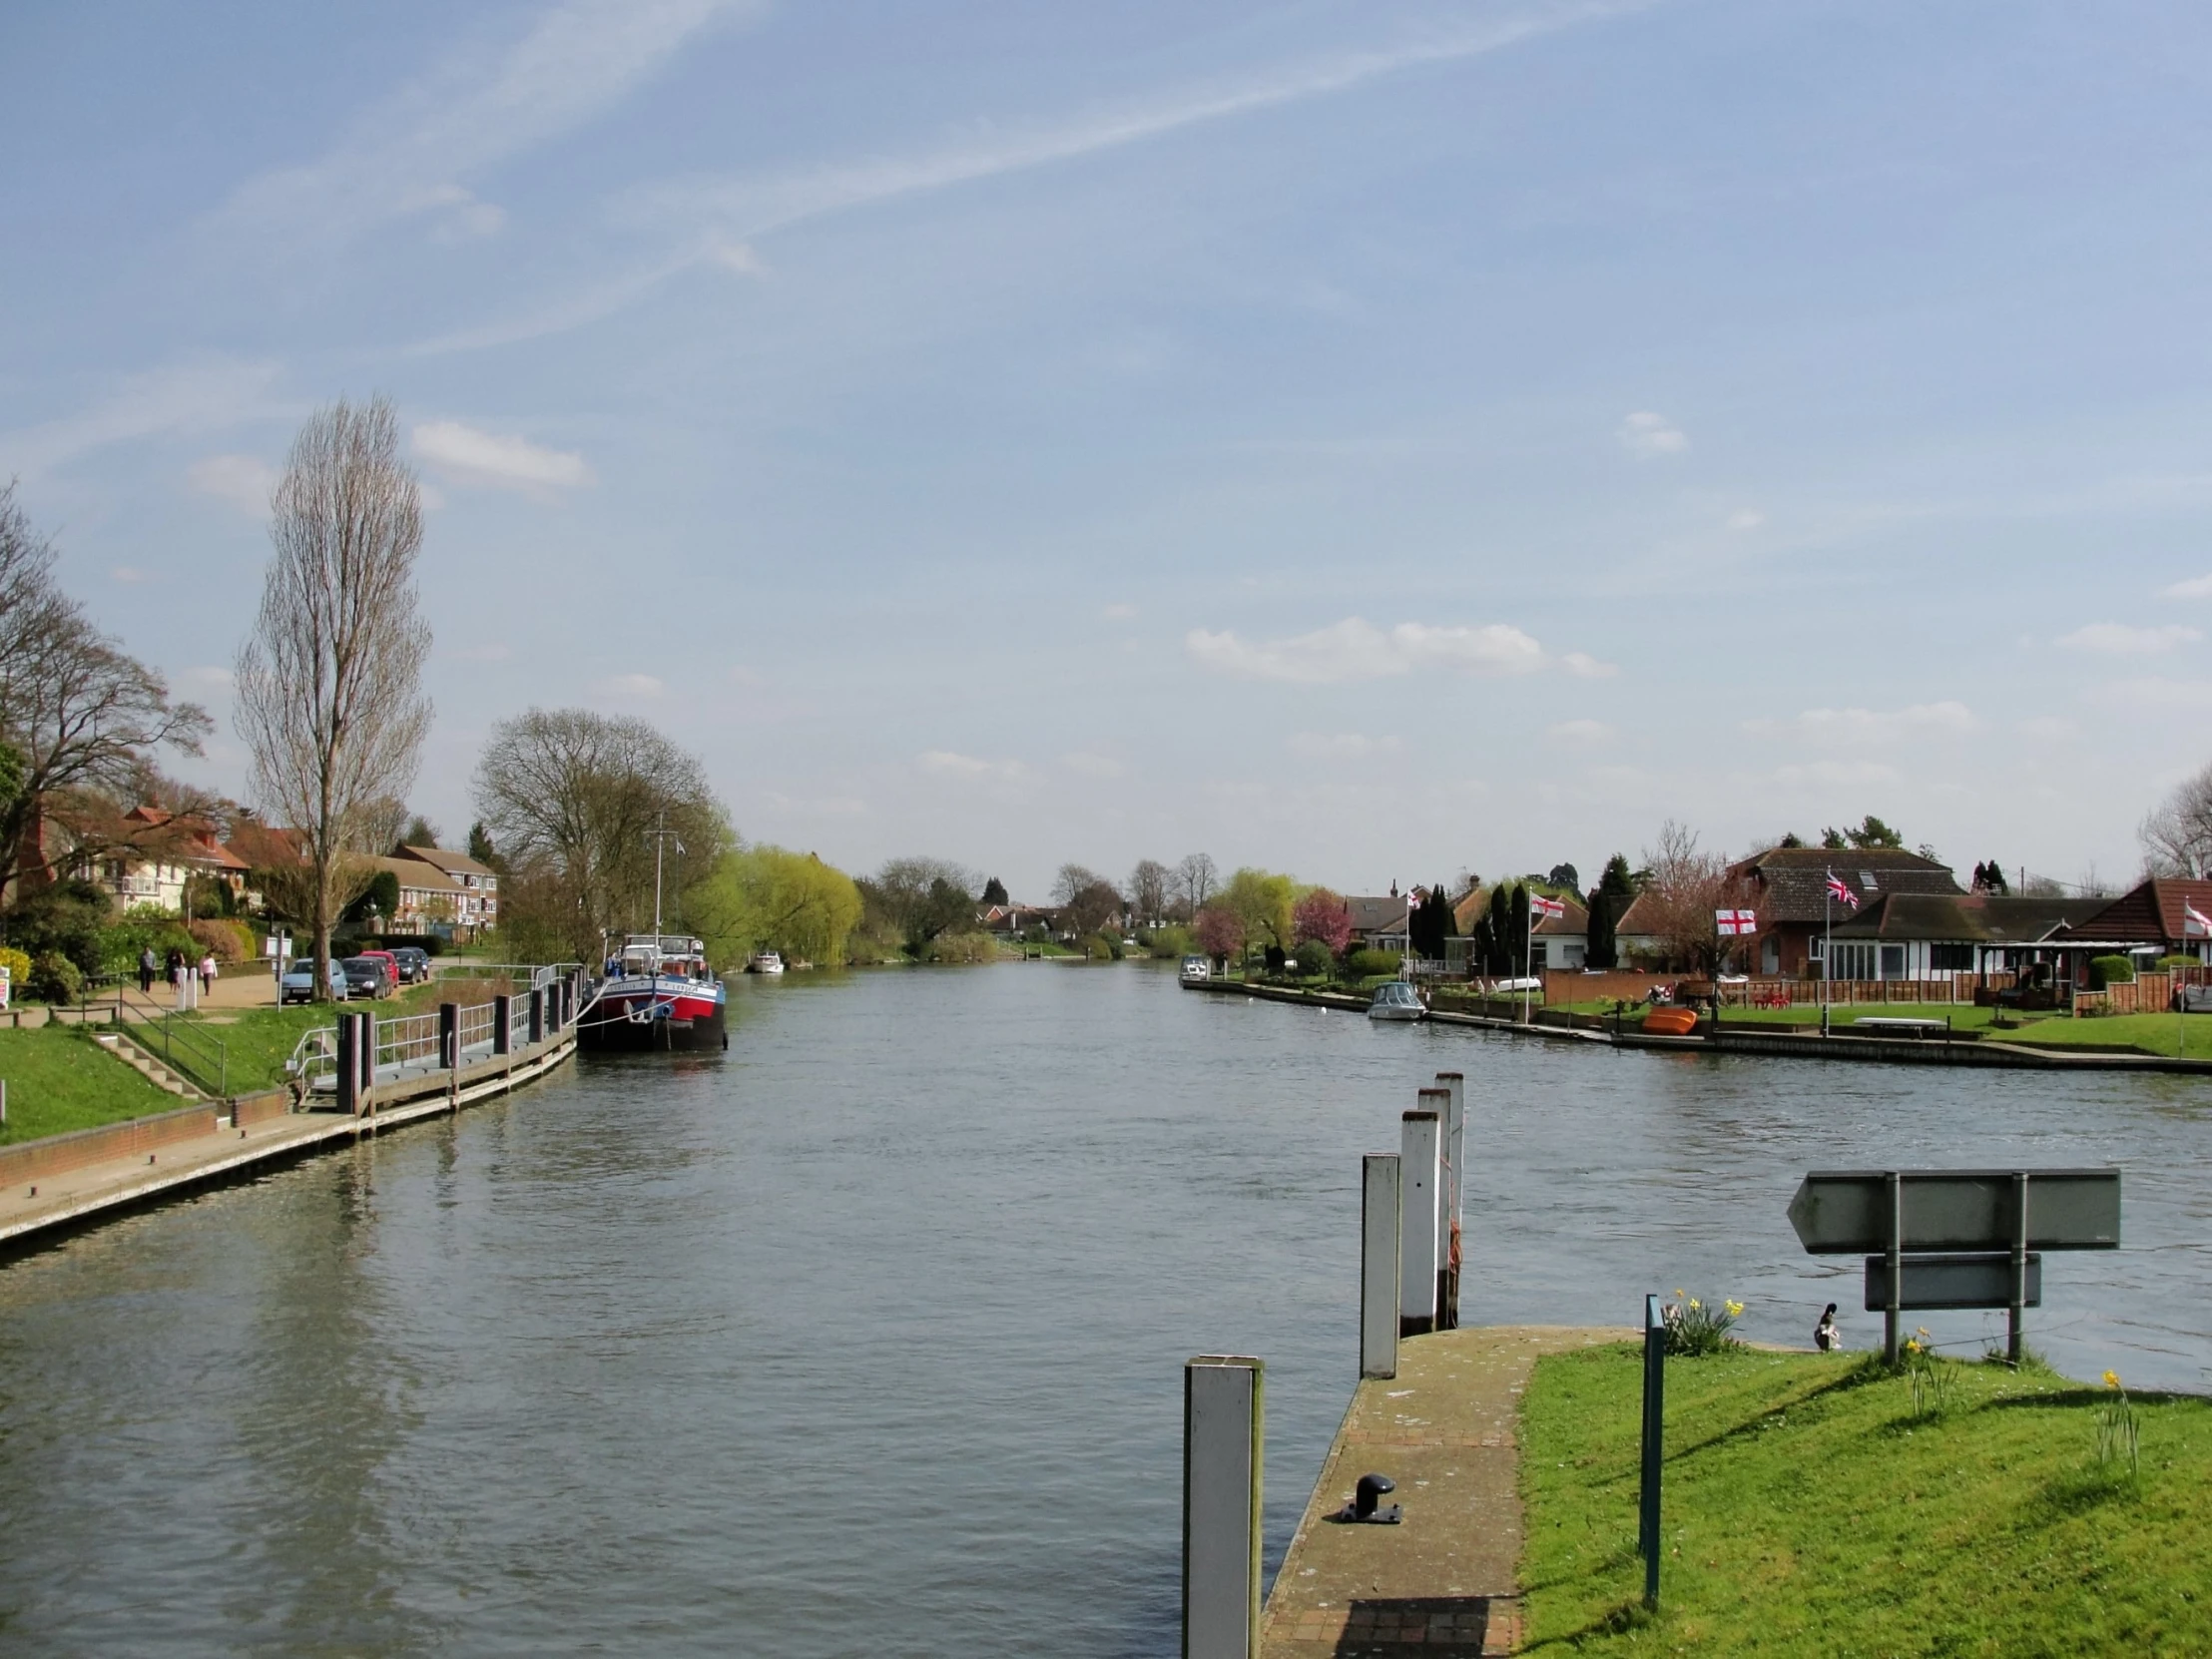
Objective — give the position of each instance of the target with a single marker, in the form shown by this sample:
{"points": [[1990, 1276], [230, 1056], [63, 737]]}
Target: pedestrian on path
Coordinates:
{"points": [[207, 974], [149, 965], [179, 978]]}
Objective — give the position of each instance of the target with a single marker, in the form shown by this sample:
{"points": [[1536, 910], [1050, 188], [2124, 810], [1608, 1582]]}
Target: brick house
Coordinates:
{"points": [[147, 855], [475, 886], [1934, 935], [1790, 884], [2148, 920]]}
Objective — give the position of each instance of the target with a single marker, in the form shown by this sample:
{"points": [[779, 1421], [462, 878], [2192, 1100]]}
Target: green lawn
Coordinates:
{"points": [[59, 1080], [2151, 1033], [1809, 1510]]}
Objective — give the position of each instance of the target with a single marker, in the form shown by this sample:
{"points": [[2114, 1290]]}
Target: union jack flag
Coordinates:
{"points": [[1539, 905], [2195, 924], [1839, 891]]}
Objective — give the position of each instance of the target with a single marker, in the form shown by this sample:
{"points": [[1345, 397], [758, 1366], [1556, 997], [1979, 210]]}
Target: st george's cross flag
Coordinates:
{"points": [[1539, 905], [1839, 891], [1736, 924], [2195, 924]]}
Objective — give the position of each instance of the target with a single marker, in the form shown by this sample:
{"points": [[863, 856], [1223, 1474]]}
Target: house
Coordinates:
{"points": [[1637, 939], [1934, 935], [1790, 891], [2148, 920], [146, 857], [430, 901], [475, 885], [1011, 920], [1379, 923], [1560, 943]]}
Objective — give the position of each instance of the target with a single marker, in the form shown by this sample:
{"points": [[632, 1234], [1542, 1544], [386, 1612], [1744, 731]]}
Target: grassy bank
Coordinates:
{"points": [[59, 1080], [1810, 1509], [2146, 1033]]}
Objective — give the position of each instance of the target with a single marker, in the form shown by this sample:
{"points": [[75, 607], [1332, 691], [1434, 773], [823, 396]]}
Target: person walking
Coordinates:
{"points": [[149, 965], [207, 974], [179, 980]]}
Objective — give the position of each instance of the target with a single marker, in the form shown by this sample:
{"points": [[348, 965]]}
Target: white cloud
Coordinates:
{"points": [[735, 256], [2197, 587], [1747, 518], [1586, 666], [1858, 725], [1837, 773], [2120, 640], [1341, 746], [1647, 434], [629, 686], [201, 396], [1355, 649], [460, 214], [949, 764], [468, 455], [1119, 613], [1582, 731], [2153, 692], [405, 157], [245, 481], [1093, 766]]}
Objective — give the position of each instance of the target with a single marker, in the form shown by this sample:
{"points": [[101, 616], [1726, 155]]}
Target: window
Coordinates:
{"points": [[1866, 880], [1893, 961], [1951, 958], [1853, 960], [1815, 947]]}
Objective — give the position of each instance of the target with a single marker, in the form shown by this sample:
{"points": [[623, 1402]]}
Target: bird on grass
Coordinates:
{"points": [[1826, 1336]]}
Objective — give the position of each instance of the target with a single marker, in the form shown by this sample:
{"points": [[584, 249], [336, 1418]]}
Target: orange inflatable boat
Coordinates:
{"points": [[1671, 1022]]}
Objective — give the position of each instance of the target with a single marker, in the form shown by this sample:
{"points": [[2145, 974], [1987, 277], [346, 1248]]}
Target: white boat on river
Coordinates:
{"points": [[1397, 1000]]}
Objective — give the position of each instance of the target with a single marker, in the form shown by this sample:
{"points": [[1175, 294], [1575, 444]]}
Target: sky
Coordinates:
{"points": [[1373, 440]]}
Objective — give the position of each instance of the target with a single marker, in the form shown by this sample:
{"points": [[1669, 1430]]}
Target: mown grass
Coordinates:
{"points": [[59, 1080], [1809, 1510]]}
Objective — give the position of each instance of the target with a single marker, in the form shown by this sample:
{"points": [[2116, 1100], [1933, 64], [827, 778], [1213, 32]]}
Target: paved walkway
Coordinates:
{"points": [[1444, 1579]]}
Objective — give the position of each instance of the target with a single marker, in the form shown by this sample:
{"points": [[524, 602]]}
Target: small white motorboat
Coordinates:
{"points": [[1197, 970], [1397, 1000], [764, 962]]}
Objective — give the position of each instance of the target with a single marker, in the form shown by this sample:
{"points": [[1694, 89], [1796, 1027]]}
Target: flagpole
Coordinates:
{"points": [[1527, 948], [1828, 947]]}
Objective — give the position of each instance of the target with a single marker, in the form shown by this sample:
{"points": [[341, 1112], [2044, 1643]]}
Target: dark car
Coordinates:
{"points": [[366, 976], [414, 964]]}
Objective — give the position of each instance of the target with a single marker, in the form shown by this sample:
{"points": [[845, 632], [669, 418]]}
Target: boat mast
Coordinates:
{"points": [[660, 839]]}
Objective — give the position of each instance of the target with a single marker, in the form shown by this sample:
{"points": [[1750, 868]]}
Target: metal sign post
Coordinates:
{"points": [[1654, 1448], [1956, 1238]]}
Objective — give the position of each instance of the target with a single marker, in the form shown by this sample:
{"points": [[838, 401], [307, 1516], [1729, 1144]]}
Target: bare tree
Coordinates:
{"points": [[1151, 886], [329, 684], [920, 899], [84, 717], [2177, 834], [1196, 878], [1072, 880], [1681, 888], [573, 799]]}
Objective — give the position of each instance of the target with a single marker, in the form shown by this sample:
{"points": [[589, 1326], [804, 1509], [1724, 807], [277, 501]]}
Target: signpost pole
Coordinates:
{"points": [[2020, 1269], [1895, 1262], [1655, 1418]]}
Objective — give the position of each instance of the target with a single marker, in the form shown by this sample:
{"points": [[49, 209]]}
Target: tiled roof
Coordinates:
{"points": [[1378, 915], [2149, 913], [413, 872], [1967, 919], [453, 863], [264, 847], [1793, 881], [1639, 920]]}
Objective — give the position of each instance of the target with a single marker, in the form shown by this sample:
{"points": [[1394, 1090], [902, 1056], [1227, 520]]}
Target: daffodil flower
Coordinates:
{"points": [[2111, 1379]]}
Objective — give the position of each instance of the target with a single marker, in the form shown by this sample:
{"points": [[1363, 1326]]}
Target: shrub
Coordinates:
{"points": [[2110, 971], [226, 941], [961, 948], [431, 945], [1102, 948], [2178, 960], [1365, 965], [54, 979], [141, 927], [18, 967], [1315, 960], [1169, 942], [68, 917]]}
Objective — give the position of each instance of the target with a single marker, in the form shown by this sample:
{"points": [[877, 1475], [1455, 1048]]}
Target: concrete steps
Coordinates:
{"points": [[148, 1067]]}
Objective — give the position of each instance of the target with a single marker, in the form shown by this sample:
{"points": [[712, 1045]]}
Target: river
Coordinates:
{"points": [[866, 1338]]}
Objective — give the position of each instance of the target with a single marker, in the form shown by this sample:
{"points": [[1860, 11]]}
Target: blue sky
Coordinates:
{"points": [[1373, 440]]}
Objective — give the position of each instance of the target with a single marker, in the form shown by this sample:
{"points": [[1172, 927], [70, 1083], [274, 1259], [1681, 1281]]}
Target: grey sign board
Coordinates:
{"points": [[1847, 1212], [1930, 1281]]}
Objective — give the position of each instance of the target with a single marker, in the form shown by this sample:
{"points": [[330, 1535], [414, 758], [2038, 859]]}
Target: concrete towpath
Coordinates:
{"points": [[1444, 1580]]}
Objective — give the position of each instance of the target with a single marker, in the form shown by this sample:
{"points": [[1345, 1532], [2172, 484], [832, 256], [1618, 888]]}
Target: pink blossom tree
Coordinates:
{"points": [[1221, 932], [1323, 917]]}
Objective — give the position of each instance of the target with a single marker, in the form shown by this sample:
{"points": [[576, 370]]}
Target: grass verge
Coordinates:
{"points": [[1809, 1510], [58, 1080]]}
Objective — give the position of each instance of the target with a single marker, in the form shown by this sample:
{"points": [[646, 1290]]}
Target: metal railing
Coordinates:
{"points": [[412, 1039], [407, 1039], [184, 1046], [475, 1025]]}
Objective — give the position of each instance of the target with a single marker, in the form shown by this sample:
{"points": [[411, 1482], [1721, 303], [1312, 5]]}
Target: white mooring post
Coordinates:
{"points": [[1420, 1147], [1455, 1084], [1379, 1234], [1222, 1433]]}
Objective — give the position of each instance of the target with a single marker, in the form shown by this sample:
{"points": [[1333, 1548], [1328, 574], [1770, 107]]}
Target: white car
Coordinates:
{"points": [[1197, 970]]}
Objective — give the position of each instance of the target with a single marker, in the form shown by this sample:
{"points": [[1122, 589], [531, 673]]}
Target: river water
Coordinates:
{"points": [[866, 1338]]}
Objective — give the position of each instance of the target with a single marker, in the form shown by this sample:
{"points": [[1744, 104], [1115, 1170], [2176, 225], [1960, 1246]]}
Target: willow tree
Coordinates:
{"points": [[330, 696]]}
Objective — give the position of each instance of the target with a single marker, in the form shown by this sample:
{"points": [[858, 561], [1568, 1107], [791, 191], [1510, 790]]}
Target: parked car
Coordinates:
{"points": [[1197, 970], [369, 976], [414, 964], [297, 984], [392, 967]]}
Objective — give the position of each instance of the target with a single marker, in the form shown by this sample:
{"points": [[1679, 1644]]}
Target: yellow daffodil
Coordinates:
{"points": [[1735, 1309], [2111, 1379], [1695, 1305]]}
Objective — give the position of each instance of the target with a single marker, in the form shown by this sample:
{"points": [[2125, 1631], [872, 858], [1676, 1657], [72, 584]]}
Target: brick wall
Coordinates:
{"points": [[56, 1153]]}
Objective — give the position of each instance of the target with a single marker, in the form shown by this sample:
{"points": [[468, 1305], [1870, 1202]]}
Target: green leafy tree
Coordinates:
{"points": [[1264, 902], [768, 899], [1497, 955], [1616, 887], [920, 898], [1430, 924], [480, 846], [1516, 942], [1870, 834], [380, 898], [994, 891]]}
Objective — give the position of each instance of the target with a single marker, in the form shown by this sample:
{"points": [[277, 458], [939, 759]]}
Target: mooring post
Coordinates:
{"points": [[365, 1053], [1453, 1084], [349, 1066], [1421, 1149], [502, 1025], [1223, 1438], [1895, 1258], [1654, 1448], [1379, 1234], [449, 1035], [537, 1017], [2020, 1269]]}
